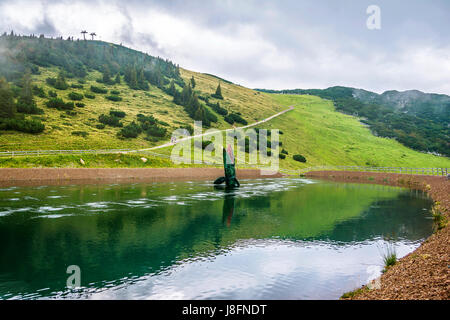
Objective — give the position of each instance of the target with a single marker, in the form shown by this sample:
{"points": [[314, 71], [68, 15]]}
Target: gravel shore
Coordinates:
{"points": [[424, 273], [64, 176]]}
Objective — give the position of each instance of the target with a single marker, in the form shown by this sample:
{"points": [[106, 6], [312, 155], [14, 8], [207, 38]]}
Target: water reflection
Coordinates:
{"points": [[269, 239], [228, 207]]}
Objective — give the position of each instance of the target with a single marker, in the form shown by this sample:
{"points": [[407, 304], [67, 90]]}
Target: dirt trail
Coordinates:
{"points": [[224, 130], [64, 176]]}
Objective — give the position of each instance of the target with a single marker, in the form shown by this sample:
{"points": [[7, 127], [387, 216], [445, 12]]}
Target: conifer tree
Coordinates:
{"points": [[26, 102], [7, 105], [106, 75], [218, 94], [61, 82], [133, 79], [193, 82], [172, 89]]}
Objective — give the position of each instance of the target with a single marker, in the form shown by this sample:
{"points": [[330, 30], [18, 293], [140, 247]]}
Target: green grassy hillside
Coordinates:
{"points": [[327, 137], [61, 127], [314, 129]]}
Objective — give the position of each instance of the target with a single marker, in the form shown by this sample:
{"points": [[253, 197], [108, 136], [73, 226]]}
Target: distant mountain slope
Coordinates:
{"points": [[430, 106], [418, 120]]}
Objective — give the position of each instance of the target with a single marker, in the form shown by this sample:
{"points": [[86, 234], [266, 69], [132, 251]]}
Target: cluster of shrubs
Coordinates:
{"points": [[234, 117], [148, 124], [39, 91], [110, 120], [217, 108], [99, 90], [28, 107], [117, 113], [89, 96], [58, 83], [283, 154], [59, 104], [75, 96], [22, 125]]}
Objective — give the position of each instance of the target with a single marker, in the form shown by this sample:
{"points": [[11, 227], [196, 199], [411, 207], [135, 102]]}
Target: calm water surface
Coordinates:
{"points": [[271, 239]]}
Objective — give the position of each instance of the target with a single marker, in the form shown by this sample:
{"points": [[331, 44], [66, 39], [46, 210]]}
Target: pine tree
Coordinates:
{"points": [[106, 75], [133, 79], [193, 82], [25, 102], [172, 89], [7, 105], [142, 82], [61, 82], [218, 94]]}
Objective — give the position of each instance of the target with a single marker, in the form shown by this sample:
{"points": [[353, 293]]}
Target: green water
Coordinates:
{"points": [[270, 239]]}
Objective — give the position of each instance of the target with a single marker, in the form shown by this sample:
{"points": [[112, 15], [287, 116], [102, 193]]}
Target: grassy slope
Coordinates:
{"points": [[326, 137], [314, 129], [59, 125]]}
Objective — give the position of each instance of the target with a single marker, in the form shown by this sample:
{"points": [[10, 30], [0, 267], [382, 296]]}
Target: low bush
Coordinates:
{"points": [[131, 130], [80, 104], [117, 113], [114, 98], [156, 131], [28, 108], [59, 104], [39, 91], [89, 96], [110, 120], [22, 125], [99, 90], [234, 117], [299, 158], [217, 108], [75, 96]]}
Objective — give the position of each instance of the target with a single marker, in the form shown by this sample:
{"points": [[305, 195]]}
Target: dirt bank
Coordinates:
{"points": [[424, 273], [54, 176]]}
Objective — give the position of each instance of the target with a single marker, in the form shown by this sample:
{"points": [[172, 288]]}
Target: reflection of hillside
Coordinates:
{"points": [[310, 212], [394, 219], [134, 241]]}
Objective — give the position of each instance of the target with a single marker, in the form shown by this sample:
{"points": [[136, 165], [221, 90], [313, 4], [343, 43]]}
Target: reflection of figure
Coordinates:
{"points": [[228, 208], [230, 171]]}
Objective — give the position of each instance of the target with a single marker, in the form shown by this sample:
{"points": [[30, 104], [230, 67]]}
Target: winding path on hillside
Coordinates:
{"points": [[168, 144], [217, 130]]}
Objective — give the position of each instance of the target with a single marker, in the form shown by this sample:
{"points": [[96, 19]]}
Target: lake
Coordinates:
{"points": [[287, 238]]}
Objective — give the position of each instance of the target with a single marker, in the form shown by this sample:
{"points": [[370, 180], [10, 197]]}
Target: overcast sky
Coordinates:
{"points": [[266, 44]]}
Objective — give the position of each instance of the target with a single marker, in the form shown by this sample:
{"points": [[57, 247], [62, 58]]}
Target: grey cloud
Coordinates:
{"points": [[325, 42]]}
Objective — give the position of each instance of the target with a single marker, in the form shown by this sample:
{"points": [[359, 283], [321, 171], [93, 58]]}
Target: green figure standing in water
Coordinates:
{"points": [[230, 170]]}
